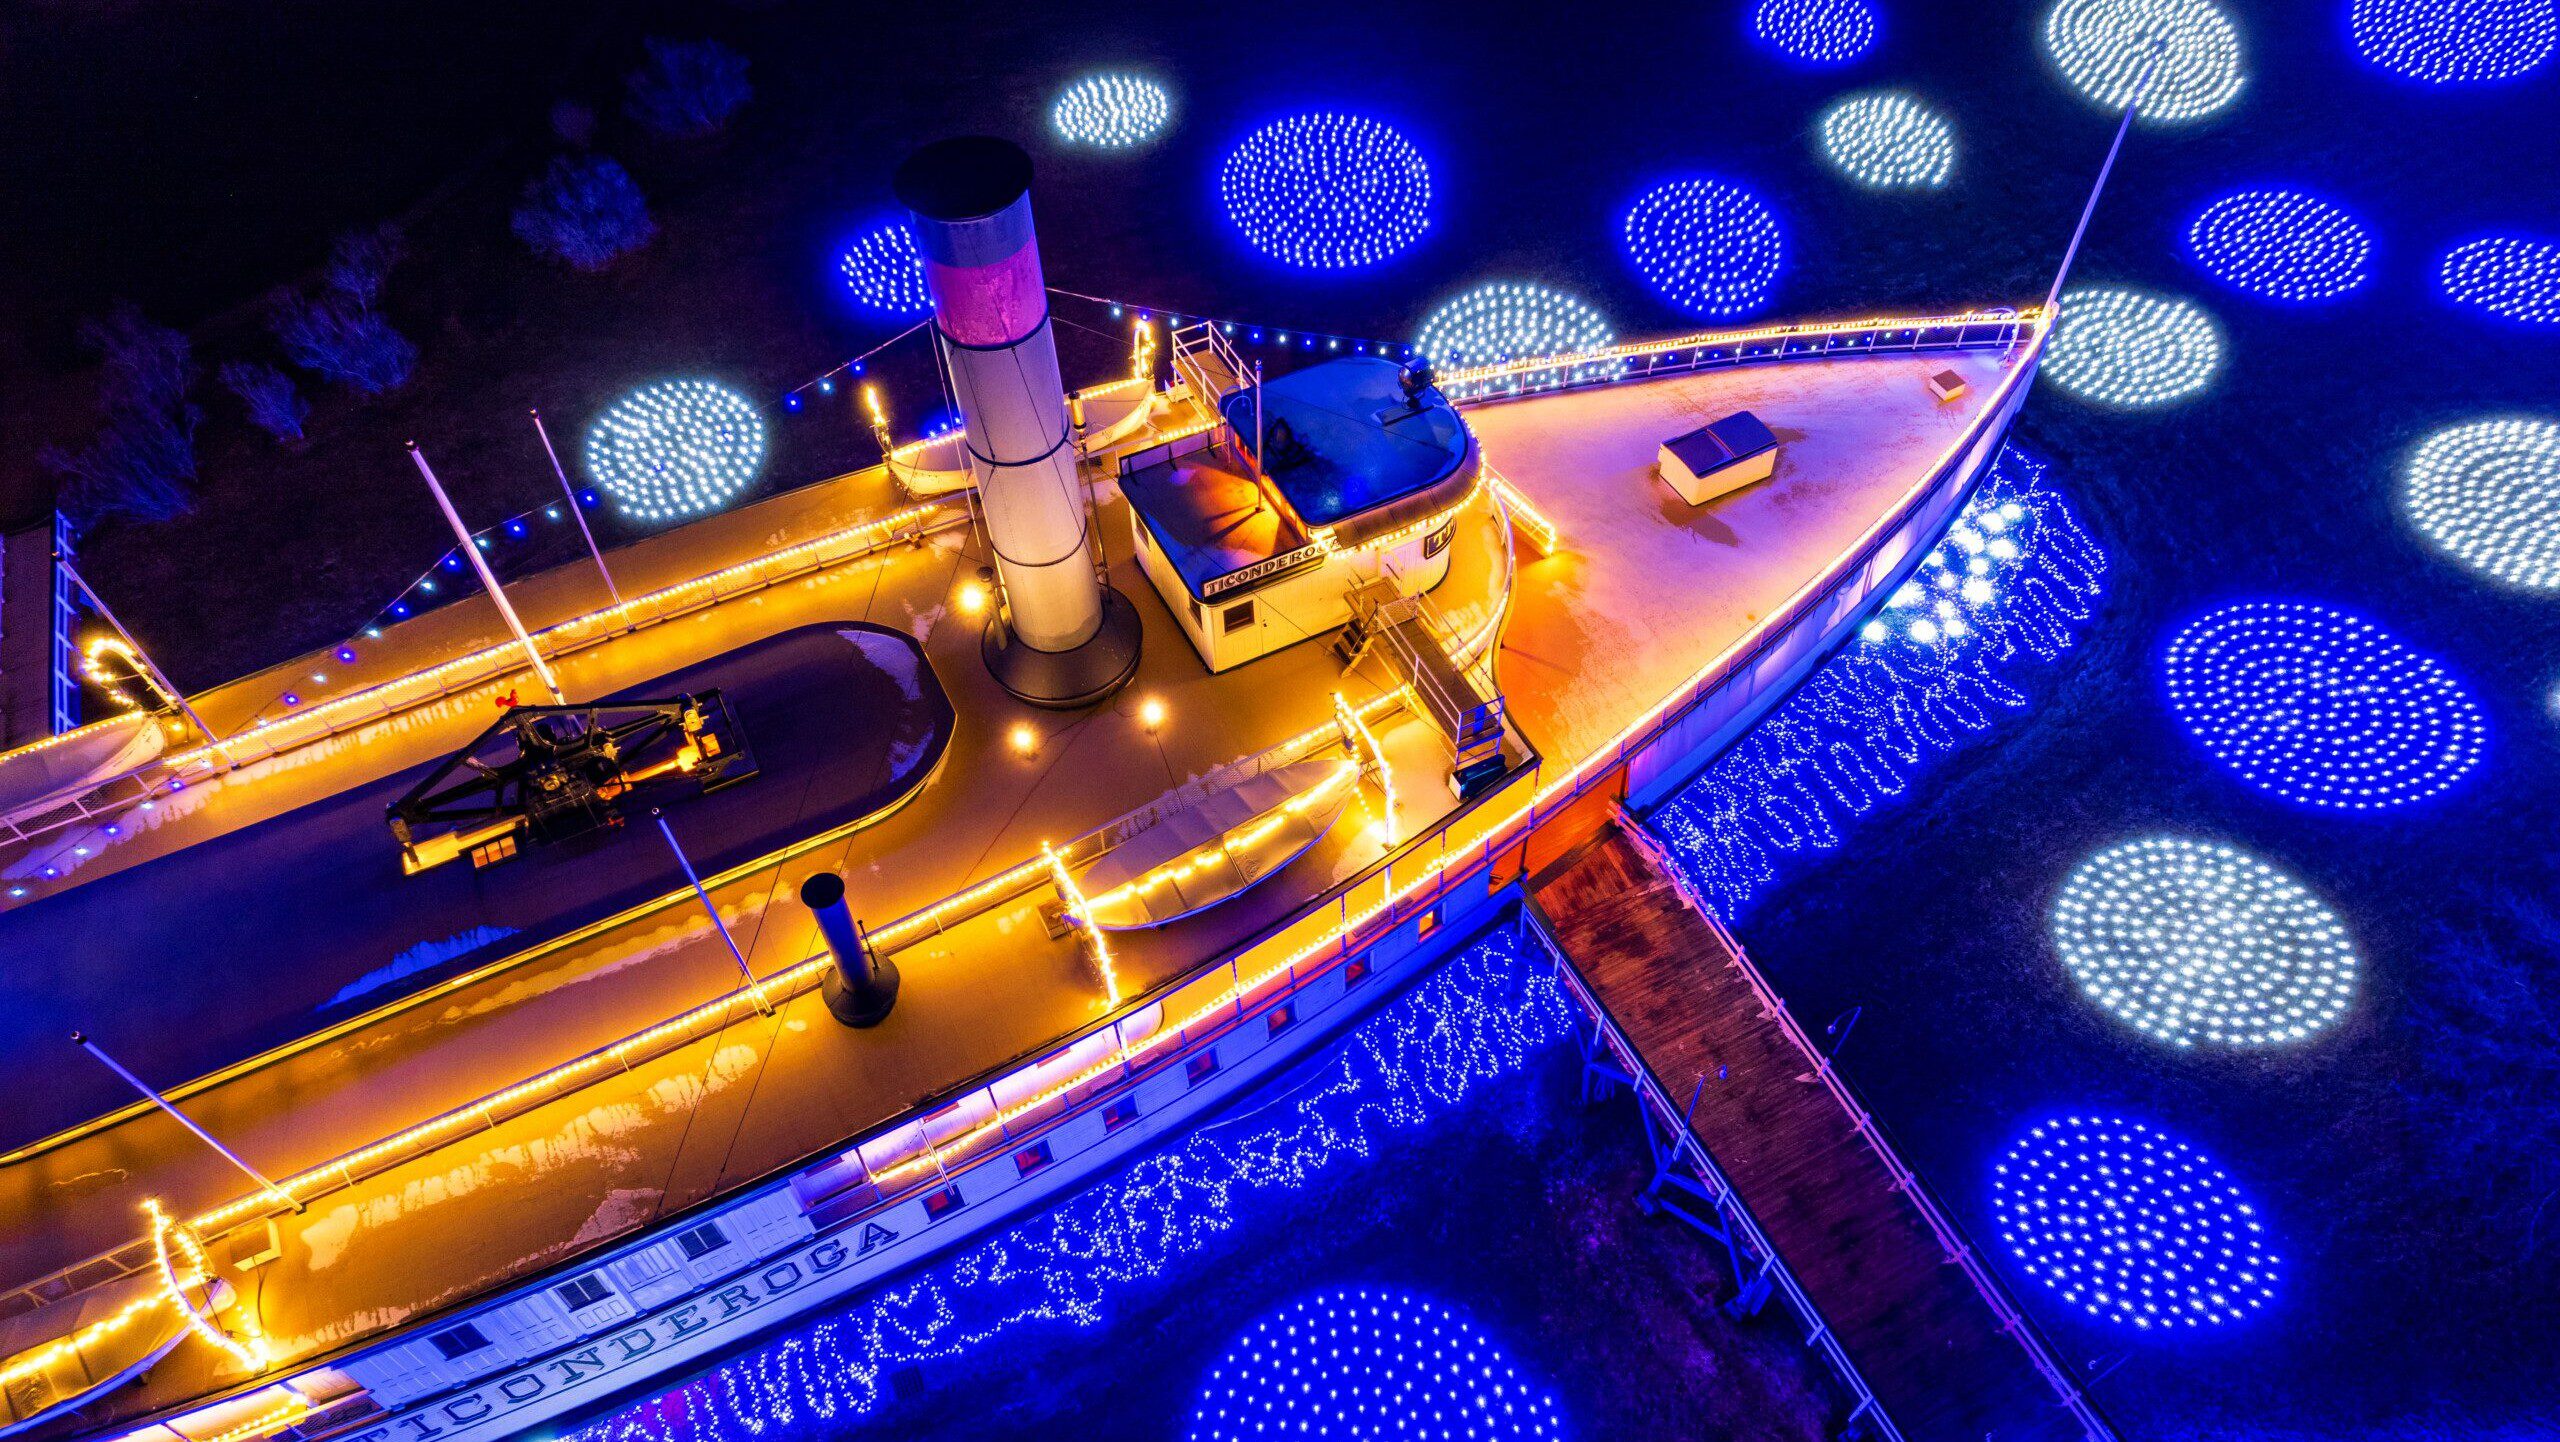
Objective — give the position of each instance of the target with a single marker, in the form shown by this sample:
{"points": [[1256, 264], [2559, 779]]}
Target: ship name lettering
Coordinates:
{"points": [[683, 1322], [455, 1408], [789, 1278], [515, 1388], [591, 1361], [875, 1235], [732, 1300], [648, 1341], [827, 1256]]}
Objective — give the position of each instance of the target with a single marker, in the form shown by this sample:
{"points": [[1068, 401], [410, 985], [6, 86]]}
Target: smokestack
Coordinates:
{"points": [[863, 985], [1063, 638]]}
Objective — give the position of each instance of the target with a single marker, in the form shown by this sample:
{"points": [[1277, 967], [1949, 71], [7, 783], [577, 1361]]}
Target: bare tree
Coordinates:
{"points": [[142, 461], [275, 405], [339, 331], [688, 89], [585, 210]]}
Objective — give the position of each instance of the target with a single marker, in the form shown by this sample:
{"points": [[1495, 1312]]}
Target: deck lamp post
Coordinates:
{"points": [[862, 985], [142, 658], [471, 549], [755, 987]]}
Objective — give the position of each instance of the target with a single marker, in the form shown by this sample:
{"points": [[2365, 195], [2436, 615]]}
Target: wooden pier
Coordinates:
{"points": [[1758, 1143]]}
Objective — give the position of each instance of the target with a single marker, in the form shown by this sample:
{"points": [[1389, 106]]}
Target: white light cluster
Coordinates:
{"points": [[2488, 495], [1822, 32], [1327, 191], [1510, 320], [885, 272], [676, 448], [1111, 111], [2132, 1225], [2131, 348], [2506, 275], [1360, 1363], [2321, 707], [2101, 46], [2455, 42], [2190, 943], [1888, 140], [1711, 248], [2281, 244]]}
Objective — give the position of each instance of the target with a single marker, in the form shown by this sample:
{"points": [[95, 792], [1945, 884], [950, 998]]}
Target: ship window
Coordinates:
{"points": [[1237, 617], [702, 1241], [457, 1343], [1280, 1018], [1119, 1114], [580, 1292], [942, 1204], [1202, 1067], [1429, 923], [1031, 1158], [1355, 972]]}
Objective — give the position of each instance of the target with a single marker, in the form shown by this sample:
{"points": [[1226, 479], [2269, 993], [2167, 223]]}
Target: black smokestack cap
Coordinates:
{"points": [[968, 177]]}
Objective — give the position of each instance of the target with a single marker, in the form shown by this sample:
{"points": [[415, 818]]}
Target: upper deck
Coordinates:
{"points": [[537, 1106]]}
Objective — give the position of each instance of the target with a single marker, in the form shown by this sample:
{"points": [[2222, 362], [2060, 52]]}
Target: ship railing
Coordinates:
{"points": [[2000, 329]]}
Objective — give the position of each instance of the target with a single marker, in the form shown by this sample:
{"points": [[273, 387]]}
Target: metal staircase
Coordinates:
{"points": [[1419, 649]]}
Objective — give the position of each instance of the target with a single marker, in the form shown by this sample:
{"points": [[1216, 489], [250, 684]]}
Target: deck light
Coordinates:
{"points": [[1111, 112], [2281, 244], [2507, 276], [1365, 1362], [2488, 495], [1024, 739], [2132, 1225], [1888, 140], [1818, 32], [676, 448], [1507, 320], [972, 596], [2101, 47], [2455, 42], [1709, 247], [2190, 942], [1151, 713], [2133, 349], [885, 272], [1326, 191]]}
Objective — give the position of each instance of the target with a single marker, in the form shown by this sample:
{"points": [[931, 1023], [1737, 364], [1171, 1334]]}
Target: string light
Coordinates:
{"points": [[1362, 1362], [1888, 140], [1709, 247], [2281, 244], [2101, 47], [884, 270], [1819, 32], [2319, 706], [1510, 320], [1111, 111], [2507, 276], [2488, 495], [2014, 578], [676, 448], [2132, 349], [2132, 1225], [1327, 191], [2190, 942], [2455, 42]]}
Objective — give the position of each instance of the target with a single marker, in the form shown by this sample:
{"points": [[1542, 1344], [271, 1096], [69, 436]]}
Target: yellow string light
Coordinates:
{"points": [[1354, 727], [1075, 904]]}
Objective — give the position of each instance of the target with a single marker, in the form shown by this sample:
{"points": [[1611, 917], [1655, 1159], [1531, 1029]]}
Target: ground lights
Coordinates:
{"points": [[884, 271], [1710, 247], [2130, 348], [676, 448], [2319, 706], [2455, 42], [2488, 495], [1510, 320], [2132, 1225], [1821, 32], [2190, 943], [2101, 47], [1362, 1362], [2508, 276], [1327, 191], [1111, 111], [2281, 244], [1888, 140]]}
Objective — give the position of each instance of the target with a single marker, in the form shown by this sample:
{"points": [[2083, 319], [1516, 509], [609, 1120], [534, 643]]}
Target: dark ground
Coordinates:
{"points": [[193, 156]]}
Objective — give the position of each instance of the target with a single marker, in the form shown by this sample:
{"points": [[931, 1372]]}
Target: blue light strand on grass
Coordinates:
{"points": [[2320, 706], [2281, 244], [2455, 42], [1364, 1362], [1478, 1018], [2012, 583], [2509, 276], [1710, 247], [885, 273], [2132, 1225], [1817, 32], [2101, 47], [2487, 494], [1325, 191], [1888, 140], [1111, 111]]}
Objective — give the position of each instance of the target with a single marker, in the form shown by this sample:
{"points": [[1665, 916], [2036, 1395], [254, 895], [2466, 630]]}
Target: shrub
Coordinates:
{"points": [[270, 397], [142, 461], [339, 331], [585, 210], [688, 89]]}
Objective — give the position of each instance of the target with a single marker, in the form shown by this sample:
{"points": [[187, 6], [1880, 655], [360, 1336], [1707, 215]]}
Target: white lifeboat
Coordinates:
{"points": [[1218, 847]]}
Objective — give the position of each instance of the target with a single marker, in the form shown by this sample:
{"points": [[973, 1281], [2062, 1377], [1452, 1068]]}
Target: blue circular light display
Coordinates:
{"points": [[1359, 1362], [676, 448], [2130, 348], [2132, 1225], [2281, 244], [2488, 495], [1511, 320], [1710, 248], [1111, 112], [885, 272], [2321, 707], [1819, 32], [2507, 276], [2455, 42], [2101, 47], [1888, 140], [1327, 191]]}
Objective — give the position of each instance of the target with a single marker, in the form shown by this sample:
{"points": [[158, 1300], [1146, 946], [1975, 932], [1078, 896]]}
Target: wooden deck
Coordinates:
{"points": [[1933, 1347]]}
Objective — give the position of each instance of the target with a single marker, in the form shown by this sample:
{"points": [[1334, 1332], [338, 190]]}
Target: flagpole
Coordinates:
{"points": [[497, 593], [574, 509], [2071, 252], [82, 1041]]}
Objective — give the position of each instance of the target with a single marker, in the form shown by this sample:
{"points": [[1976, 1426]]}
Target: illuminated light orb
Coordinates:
{"points": [[2488, 495], [2281, 244], [1510, 320], [1366, 1362], [2101, 46], [2508, 276], [2455, 42], [2132, 1225], [1820, 32], [676, 448], [2192, 943], [2321, 707], [2131, 348], [1889, 141], [1710, 248], [1327, 191], [885, 272], [1111, 112]]}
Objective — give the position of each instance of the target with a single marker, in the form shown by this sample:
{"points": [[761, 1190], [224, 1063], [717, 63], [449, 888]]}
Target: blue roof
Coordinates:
{"points": [[1358, 443], [1721, 443]]}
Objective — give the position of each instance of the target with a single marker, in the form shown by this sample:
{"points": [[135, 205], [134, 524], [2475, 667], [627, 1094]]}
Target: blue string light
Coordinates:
{"points": [[1818, 32], [1711, 248], [2321, 707], [676, 448], [2455, 42], [2132, 349], [2281, 244], [2014, 579], [1888, 140], [2508, 276], [1111, 112], [1363, 1362], [884, 271], [2102, 46], [1327, 191], [2487, 493], [2132, 1225]]}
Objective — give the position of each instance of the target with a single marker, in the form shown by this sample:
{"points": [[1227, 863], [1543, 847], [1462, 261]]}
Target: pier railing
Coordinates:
{"points": [[1999, 329]]}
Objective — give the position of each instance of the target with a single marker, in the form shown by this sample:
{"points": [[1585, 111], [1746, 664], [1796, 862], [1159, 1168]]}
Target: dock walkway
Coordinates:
{"points": [[1948, 1359]]}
